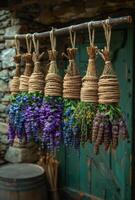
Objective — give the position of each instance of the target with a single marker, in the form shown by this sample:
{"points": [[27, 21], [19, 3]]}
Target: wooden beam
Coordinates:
{"points": [[65, 30]]}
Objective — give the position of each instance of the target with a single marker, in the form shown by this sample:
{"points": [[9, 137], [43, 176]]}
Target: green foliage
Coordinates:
{"points": [[113, 111], [84, 115]]}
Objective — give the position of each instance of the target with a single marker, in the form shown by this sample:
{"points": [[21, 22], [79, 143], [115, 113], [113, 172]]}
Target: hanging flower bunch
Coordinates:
{"points": [[109, 124], [21, 116], [50, 122], [52, 107], [71, 94], [70, 129], [86, 109]]}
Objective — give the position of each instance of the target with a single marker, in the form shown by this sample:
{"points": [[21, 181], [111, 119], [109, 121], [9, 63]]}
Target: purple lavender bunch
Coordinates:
{"points": [[17, 115], [51, 122]]}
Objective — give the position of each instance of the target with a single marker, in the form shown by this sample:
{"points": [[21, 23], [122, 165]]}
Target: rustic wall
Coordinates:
{"points": [[7, 26]]}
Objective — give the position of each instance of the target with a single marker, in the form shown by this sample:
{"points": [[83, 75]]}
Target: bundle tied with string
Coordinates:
{"points": [[15, 82], [109, 123], [36, 81], [24, 79], [52, 105], [86, 108], [71, 93], [72, 80], [90, 81], [108, 85], [53, 79]]}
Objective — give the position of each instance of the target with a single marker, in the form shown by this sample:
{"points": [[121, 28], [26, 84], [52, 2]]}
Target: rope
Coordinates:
{"points": [[35, 43], [107, 31], [28, 43], [91, 34], [17, 44], [72, 36], [53, 40]]}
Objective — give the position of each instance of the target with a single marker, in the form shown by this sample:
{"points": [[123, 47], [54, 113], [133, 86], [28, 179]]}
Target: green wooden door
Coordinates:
{"points": [[107, 175]]}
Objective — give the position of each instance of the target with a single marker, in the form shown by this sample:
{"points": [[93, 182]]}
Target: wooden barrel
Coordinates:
{"points": [[22, 182]]}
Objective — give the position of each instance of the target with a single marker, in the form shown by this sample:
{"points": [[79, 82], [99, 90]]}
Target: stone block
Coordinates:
{"points": [[21, 155], [4, 75], [2, 46], [3, 128], [2, 31], [1, 38], [6, 99], [4, 139], [3, 86], [7, 58], [11, 31], [3, 108]]}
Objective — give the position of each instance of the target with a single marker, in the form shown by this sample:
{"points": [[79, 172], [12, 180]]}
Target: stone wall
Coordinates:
{"points": [[7, 66]]}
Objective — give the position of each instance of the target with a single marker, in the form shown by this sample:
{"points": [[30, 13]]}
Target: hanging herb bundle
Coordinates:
{"points": [[23, 108], [71, 94], [52, 106], [23, 116], [109, 123], [86, 109], [36, 87]]}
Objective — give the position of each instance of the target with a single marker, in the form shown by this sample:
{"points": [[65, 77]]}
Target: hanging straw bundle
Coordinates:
{"points": [[53, 79], [24, 79], [15, 82], [71, 93], [36, 81], [51, 165], [52, 105], [86, 109], [72, 79], [108, 125]]}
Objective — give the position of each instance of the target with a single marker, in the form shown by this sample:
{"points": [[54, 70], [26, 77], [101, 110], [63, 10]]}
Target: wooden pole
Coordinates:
{"points": [[65, 30]]}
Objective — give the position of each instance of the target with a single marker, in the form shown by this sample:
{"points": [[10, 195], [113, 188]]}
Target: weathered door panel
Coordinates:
{"points": [[106, 175]]}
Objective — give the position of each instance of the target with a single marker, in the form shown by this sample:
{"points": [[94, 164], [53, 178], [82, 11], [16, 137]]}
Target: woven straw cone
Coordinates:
{"points": [[24, 79], [108, 86], [53, 80], [15, 82], [36, 80], [89, 88], [72, 80]]}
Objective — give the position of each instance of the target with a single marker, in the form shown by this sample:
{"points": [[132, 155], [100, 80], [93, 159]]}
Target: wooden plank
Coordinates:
{"points": [[85, 169], [121, 163], [72, 168]]}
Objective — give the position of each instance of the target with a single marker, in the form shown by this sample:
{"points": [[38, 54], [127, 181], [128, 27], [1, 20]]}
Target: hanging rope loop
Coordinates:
{"points": [[17, 45], [28, 42], [35, 43], [91, 31], [107, 30], [72, 36], [53, 39]]}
